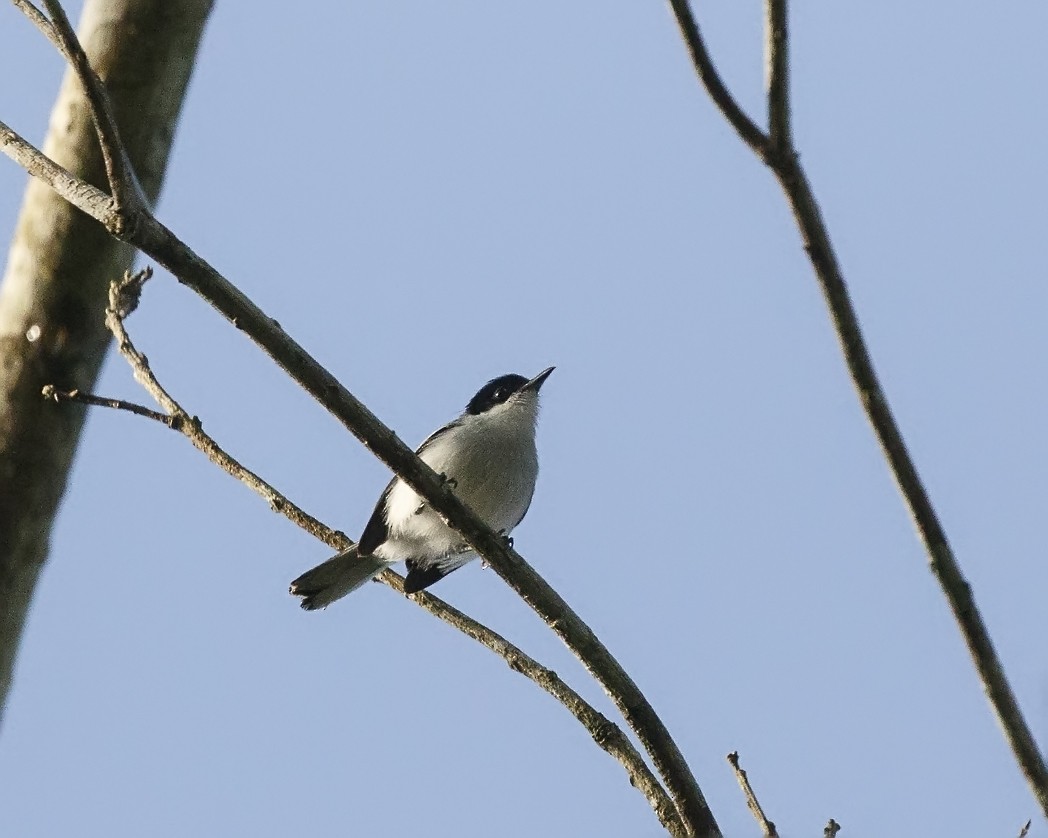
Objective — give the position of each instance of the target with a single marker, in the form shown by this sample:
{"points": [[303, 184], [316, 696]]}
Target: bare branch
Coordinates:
{"points": [[767, 827], [54, 394], [158, 242], [123, 299], [152, 238], [777, 72], [781, 157], [79, 193], [128, 198], [831, 829], [700, 57], [604, 732]]}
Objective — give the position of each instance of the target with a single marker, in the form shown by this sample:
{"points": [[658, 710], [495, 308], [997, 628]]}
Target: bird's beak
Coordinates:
{"points": [[537, 381]]}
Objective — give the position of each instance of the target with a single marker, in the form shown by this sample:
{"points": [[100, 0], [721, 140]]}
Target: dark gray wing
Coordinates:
{"points": [[439, 432], [377, 530]]}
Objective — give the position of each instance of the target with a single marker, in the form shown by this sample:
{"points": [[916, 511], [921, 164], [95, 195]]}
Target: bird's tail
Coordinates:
{"points": [[335, 578]]}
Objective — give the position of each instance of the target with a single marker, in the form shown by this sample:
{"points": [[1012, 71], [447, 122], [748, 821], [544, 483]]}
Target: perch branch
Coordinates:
{"points": [[155, 240], [159, 243], [781, 157], [831, 829], [123, 298], [767, 827]]}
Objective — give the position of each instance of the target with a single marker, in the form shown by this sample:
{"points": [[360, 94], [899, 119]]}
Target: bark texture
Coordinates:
{"points": [[55, 287]]}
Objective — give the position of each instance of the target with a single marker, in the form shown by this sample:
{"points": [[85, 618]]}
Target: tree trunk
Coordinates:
{"points": [[61, 262]]}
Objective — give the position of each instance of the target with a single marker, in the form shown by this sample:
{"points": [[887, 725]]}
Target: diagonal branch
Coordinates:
{"points": [[155, 240], [746, 128], [781, 157], [123, 298], [82, 195], [158, 242]]}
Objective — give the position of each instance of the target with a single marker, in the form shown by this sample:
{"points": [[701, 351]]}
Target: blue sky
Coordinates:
{"points": [[429, 195]]}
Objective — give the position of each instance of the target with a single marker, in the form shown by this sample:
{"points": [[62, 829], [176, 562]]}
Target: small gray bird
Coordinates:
{"points": [[488, 457]]}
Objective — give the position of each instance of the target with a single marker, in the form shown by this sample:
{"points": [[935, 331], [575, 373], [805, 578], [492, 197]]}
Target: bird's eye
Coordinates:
{"points": [[500, 394]]}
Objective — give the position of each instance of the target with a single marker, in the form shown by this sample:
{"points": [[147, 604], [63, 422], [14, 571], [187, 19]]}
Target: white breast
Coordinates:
{"points": [[492, 459]]}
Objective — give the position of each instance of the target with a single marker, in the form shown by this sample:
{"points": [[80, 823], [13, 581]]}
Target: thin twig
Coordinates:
{"points": [[783, 161], [777, 71], [128, 198], [831, 829], [155, 240], [123, 298], [51, 392], [746, 128], [158, 242], [605, 733], [767, 827]]}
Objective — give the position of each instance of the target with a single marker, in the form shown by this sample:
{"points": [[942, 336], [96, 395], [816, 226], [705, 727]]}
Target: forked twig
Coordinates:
{"points": [[155, 240], [123, 299], [777, 151], [127, 194]]}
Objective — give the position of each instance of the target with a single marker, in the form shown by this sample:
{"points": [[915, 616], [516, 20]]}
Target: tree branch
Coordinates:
{"points": [[746, 128], [767, 827], [158, 242], [80, 194], [154, 239], [781, 157], [123, 299]]}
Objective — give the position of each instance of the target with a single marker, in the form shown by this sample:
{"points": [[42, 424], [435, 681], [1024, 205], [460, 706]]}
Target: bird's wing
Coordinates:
{"points": [[377, 531], [439, 432]]}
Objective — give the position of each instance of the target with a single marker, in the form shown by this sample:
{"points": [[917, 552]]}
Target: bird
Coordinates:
{"points": [[488, 458]]}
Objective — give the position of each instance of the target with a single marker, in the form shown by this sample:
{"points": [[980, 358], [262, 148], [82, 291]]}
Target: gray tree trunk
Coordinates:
{"points": [[61, 262]]}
